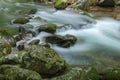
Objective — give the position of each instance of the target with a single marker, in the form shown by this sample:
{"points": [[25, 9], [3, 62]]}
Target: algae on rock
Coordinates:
{"points": [[44, 60]]}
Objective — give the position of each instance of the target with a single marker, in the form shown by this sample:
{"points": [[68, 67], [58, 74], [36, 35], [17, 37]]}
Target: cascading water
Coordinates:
{"points": [[97, 40]]}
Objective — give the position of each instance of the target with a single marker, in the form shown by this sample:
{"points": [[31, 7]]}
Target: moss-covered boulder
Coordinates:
{"points": [[88, 73], [111, 74], [44, 60], [62, 41], [9, 59], [50, 28], [21, 20], [60, 4], [72, 74], [28, 11], [11, 72]]}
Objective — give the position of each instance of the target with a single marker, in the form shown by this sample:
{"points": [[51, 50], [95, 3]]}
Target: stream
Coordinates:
{"points": [[98, 40]]}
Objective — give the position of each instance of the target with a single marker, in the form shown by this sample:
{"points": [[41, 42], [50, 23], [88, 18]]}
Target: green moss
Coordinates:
{"points": [[28, 11], [112, 74], [92, 74], [51, 28], [11, 72], [21, 21], [60, 4], [5, 48], [71, 74], [10, 59], [45, 61], [2, 77]]}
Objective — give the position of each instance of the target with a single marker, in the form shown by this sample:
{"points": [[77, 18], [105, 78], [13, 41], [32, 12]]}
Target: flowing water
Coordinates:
{"points": [[98, 40]]}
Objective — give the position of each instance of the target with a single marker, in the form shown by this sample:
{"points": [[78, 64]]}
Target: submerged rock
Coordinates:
{"points": [[11, 72], [62, 41], [50, 28], [44, 60], [21, 21]]}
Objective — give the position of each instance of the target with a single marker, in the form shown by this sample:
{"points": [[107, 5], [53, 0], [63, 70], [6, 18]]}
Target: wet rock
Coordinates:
{"points": [[37, 18], [106, 3], [22, 29], [60, 4], [44, 60], [28, 11], [62, 41], [34, 42], [45, 45], [18, 37], [50, 28], [21, 21], [111, 74], [11, 72], [21, 46], [33, 33], [9, 59], [8, 41]]}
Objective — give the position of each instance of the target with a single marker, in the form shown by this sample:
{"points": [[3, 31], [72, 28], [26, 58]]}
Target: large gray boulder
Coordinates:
{"points": [[44, 60]]}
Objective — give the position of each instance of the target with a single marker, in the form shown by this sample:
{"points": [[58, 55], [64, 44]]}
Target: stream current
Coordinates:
{"points": [[98, 40]]}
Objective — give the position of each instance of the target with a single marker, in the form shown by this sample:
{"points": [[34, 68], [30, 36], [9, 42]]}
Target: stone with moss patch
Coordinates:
{"points": [[71, 74], [21, 21], [11, 72], [60, 4], [9, 59], [44, 60], [62, 41], [51, 28], [28, 11]]}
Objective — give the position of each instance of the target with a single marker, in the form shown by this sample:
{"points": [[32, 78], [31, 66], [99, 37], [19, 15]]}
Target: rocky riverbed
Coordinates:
{"points": [[43, 42]]}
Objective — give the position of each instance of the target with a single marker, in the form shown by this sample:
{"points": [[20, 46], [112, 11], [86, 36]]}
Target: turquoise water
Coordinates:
{"points": [[98, 40]]}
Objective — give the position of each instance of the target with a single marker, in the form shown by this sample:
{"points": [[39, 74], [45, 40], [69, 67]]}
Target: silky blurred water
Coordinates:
{"points": [[98, 40]]}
